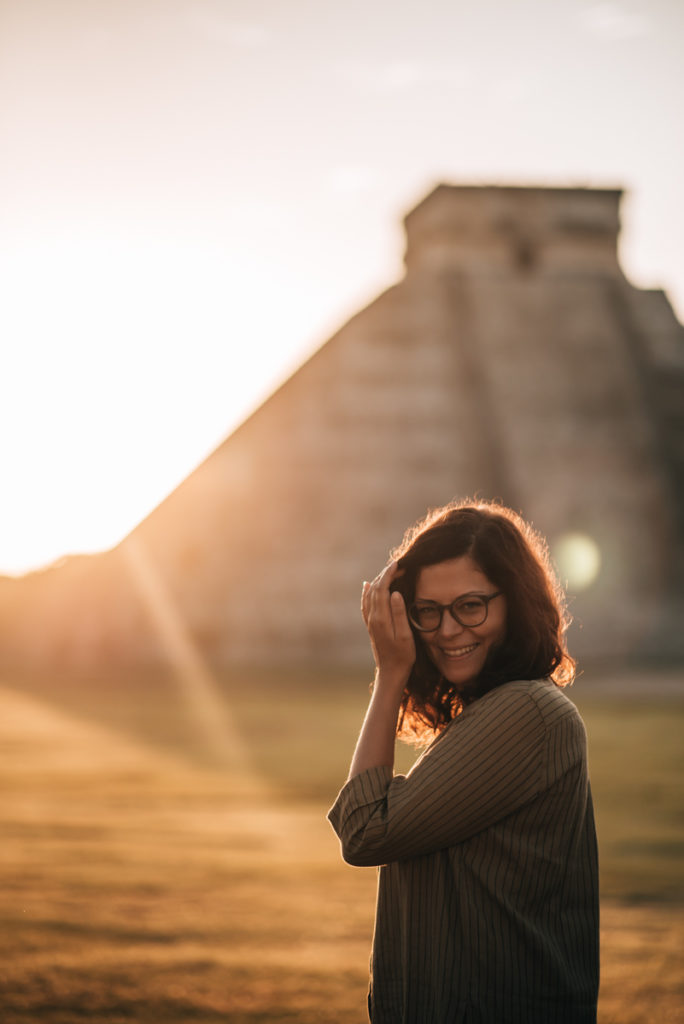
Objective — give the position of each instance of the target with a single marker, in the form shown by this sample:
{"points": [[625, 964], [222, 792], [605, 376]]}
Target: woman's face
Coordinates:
{"points": [[459, 652]]}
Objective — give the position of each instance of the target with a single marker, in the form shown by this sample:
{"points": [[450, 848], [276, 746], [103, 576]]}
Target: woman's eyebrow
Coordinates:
{"points": [[468, 593]]}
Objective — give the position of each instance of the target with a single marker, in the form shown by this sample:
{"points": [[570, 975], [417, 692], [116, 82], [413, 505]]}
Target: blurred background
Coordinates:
{"points": [[278, 277]]}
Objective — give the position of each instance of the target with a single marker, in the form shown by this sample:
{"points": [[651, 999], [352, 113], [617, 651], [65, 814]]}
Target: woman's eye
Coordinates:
{"points": [[426, 614]]}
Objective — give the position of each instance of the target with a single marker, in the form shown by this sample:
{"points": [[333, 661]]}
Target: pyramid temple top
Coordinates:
{"points": [[503, 228]]}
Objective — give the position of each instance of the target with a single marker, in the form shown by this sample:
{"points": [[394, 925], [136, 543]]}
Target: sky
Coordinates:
{"points": [[195, 194]]}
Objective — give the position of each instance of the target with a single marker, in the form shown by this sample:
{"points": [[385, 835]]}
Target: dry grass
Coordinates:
{"points": [[142, 883]]}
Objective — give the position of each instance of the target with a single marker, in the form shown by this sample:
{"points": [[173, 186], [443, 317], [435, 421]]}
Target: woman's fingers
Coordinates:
{"points": [[378, 595], [400, 622], [365, 600], [382, 609], [384, 613]]}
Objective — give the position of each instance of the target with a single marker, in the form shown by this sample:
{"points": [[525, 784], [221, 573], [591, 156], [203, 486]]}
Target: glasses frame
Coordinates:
{"points": [[441, 608]]}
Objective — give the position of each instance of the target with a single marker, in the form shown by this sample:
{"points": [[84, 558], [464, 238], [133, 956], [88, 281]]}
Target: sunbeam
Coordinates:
{"points": [[210, 714]]}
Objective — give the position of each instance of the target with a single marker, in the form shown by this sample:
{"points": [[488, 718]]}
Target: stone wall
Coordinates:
{"points": [[513, 361]]}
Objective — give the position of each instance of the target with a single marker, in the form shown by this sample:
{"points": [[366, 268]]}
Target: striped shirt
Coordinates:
{"points": [[487, 908]]}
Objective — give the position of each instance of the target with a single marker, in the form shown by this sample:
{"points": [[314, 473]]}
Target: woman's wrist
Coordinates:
{"points": [[391, 682], [375, 746]]}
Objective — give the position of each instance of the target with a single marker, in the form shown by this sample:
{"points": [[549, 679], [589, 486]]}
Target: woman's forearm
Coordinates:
{"points": [[394, 652], [375, 746]]}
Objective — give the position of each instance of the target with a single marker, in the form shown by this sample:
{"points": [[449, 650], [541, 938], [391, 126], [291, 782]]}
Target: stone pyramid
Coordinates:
{"points": [[514, 360]]}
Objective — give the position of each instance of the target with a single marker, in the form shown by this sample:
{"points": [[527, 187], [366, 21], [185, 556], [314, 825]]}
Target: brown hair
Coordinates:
{"points": [[515, 558]]}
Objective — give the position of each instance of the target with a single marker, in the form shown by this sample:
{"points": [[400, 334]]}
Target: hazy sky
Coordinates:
{"points": [[195, 193]]}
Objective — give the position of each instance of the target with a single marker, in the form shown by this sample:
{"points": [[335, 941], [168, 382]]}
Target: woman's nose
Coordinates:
{"points": [[449, 625]]}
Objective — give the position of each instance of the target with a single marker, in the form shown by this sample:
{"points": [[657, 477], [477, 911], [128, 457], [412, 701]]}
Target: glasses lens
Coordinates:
{"points": [[425, 616], [471, 611]]}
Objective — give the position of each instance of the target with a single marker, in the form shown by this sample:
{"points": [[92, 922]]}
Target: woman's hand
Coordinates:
{"points": [[394, 651], [390, 634]]}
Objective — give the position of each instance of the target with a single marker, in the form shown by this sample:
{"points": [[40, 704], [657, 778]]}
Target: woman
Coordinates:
{"points": [[487, 905]]}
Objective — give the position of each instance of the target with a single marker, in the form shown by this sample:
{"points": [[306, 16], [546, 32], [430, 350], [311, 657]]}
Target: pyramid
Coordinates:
{"points": [[514, 360]]}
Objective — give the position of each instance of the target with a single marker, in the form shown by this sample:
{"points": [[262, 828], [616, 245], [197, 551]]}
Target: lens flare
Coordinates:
{"points": [[578, 558]]}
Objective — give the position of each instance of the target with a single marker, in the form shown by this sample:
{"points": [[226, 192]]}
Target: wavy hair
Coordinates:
{"points": [[515, 558]]}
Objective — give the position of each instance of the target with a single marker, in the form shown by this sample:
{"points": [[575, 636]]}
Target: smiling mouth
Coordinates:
{"points": [[458, 652]]}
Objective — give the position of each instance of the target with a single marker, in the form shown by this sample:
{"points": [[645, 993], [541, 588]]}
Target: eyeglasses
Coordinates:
{"points": [[467, 610]]}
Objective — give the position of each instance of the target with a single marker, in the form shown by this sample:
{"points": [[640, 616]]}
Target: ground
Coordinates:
{"points": [[152, 876]]}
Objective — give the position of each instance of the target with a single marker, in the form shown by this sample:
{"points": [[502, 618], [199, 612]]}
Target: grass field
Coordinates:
{"points": [[148, 879]]}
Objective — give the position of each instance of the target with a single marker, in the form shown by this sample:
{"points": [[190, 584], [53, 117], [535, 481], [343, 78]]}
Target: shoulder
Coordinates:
{"points": [[538, 701], [565, 737], [543, 694], [551, 699]]}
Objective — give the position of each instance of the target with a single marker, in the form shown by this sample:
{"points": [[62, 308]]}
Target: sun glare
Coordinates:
{"points": [[137, 360]]}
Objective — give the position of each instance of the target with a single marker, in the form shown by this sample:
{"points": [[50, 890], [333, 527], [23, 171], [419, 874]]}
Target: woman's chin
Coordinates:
{"points": [[464, 687], [463, 671]]}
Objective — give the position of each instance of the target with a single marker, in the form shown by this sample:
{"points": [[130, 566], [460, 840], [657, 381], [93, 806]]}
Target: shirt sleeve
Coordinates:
{"points": [[488, 762]]}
